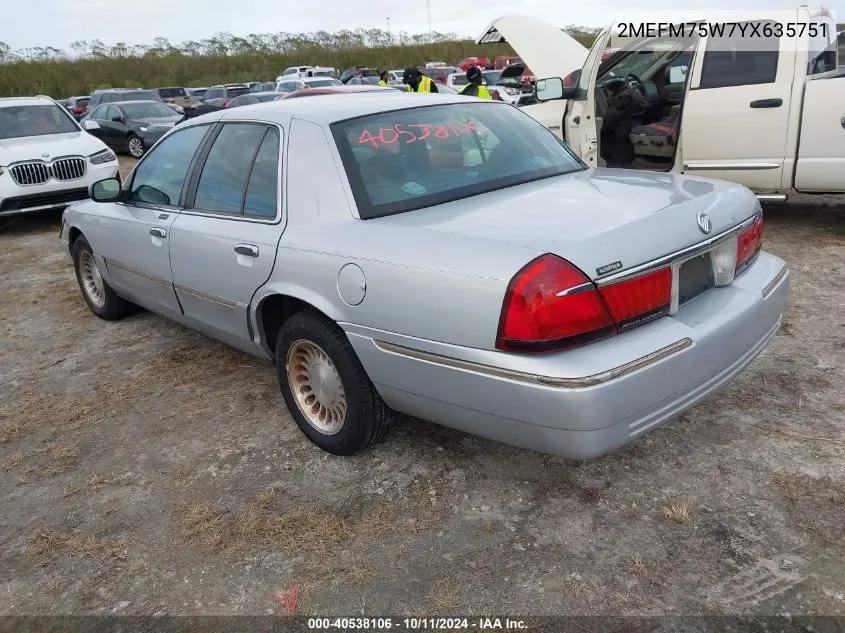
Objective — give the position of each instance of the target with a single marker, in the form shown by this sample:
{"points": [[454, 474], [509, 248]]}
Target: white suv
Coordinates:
{"points": [[47, 160]]}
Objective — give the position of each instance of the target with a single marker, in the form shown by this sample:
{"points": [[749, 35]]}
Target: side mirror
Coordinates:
{"points": [[89, 125], [117, 119], [552, 88], [678, 74], [107, 190]]}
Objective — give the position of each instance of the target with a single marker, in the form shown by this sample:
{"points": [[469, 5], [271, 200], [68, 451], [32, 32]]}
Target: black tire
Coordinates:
{"points": [[131, 140], [113, 307], [367, 417]]}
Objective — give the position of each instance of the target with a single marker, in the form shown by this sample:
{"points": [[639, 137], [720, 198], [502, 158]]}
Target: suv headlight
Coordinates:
{"points": [[105, 156]]}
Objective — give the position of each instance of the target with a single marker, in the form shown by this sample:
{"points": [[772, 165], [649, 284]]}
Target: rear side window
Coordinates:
{"points": [[262, 192], [224, 176], [171, 93], [741, 60], [160, 176], [237, 92]]}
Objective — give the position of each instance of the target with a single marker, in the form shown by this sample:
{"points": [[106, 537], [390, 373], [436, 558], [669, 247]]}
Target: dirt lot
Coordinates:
{"points": [[146, 469]]}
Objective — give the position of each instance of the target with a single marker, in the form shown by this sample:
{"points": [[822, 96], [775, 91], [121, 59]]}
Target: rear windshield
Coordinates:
{"points": [[135, 95], [236, 92], [410, 159], [34, 120], [170, 93], [321, 83], [147, 111]]}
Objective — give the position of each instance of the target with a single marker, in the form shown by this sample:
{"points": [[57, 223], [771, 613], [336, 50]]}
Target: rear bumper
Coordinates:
{"points": [[585, 402]]}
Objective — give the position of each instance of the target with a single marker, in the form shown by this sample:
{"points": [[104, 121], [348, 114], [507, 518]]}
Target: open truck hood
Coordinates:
{"points": [[545, 49]]}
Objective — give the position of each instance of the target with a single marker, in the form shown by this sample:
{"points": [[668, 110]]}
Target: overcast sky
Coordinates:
{"points": [[59, 22]]}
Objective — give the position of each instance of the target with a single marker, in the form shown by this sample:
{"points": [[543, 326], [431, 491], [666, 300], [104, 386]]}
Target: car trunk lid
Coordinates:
{"points": [[604, 222]]}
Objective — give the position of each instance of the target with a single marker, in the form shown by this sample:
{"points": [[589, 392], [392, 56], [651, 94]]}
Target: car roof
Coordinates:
{"points": [[327, 111], [25, 101]]}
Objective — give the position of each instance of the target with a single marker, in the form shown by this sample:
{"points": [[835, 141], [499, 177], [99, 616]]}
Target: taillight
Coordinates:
{"points": [[749, 241], [632, 301], [225, 103], [550, 304]]}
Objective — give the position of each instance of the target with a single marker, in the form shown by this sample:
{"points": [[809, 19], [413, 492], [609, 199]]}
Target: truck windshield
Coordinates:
{"points": [[409, 159], [34, 120]]}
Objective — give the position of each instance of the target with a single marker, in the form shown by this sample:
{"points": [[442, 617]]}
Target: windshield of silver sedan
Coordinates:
{"points": [[409, 159]]}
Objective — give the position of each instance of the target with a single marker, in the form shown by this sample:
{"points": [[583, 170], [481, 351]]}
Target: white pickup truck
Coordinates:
{"points": [[769, 114]]}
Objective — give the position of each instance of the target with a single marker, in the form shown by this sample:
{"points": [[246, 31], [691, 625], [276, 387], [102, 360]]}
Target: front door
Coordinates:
{"points": [[223, 246], [736, 111], [133, 236], [581, 124]]}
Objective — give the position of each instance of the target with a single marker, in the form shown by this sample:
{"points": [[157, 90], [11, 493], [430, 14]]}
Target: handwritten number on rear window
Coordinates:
{"points": [[421, 132]]}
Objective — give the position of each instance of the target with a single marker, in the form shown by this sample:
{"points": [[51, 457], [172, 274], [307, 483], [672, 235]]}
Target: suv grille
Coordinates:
{"points": [[37, 173]]}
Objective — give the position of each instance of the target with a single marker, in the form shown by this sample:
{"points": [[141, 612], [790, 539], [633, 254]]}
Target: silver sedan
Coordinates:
{"points": [[443, 257]]}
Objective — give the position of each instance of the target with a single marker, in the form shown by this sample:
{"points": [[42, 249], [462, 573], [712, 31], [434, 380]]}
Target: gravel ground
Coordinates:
{"points": [[147, 469]]}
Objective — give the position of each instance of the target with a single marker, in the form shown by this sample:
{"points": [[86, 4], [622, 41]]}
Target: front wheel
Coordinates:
{"points": [[136, 146], [326, 388], [101, 299]]}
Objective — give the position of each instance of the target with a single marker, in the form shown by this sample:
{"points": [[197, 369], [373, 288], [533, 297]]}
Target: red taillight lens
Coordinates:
{"points": [[632, 301], [225, 102], [551, 304], [749, 241]]}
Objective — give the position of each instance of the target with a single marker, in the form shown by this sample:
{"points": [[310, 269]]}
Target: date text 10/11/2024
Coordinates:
{"points": [[416, 624]]}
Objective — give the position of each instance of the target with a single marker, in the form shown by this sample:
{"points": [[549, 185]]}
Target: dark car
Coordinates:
{"points": [[122, 125], [77, 106], [221, 95], [252, 98], [113, 95]]}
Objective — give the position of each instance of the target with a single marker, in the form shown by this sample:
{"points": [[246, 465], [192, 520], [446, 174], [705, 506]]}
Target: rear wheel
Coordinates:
{"points": [[136, 146], [101, 299], [326, 388]]}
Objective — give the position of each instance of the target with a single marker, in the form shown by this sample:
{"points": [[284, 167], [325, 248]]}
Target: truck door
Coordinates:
{"points": [[736, 113], [581, 126]]}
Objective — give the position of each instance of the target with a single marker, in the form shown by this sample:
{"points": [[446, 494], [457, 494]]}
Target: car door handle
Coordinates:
{"points": [[766, 103], [157, 232], [247, 249]]}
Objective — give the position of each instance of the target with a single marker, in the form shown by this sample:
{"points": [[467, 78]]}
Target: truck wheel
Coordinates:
{"points": [[326, 388], [101, 299]]}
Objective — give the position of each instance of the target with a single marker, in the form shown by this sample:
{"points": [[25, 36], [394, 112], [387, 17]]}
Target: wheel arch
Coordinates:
{"points": [[276, 305]]}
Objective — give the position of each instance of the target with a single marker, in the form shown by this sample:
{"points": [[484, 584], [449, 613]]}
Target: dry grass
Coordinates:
{"points": [[579, 588], [12, 461], [60, 456], [182, 473], [443, 597], [46, 542], [646, 570], [789, 485], [679, 511], [97, 480], [203, 524]]}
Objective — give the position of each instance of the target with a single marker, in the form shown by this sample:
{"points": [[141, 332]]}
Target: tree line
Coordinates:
{"points": [[225, 57]]}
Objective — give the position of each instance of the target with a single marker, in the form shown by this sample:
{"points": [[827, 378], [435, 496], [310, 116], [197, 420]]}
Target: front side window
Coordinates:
{"points": [[99, 113], [224, 175], [741, 61], [822, 46], [410, 159], [160, 176], [35, 120], [111, 113]]}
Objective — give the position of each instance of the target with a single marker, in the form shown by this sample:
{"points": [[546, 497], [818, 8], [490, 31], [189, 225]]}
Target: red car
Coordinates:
{"points": [[482, 62], [439, 74], [503, 61]]}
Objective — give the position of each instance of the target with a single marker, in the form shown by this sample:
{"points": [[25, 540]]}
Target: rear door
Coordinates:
{"points": [[736, 112], [223, 245]]}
